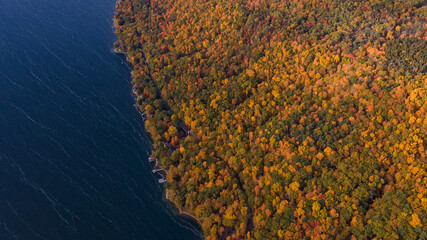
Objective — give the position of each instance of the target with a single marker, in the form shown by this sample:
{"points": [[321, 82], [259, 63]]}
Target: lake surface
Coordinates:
{"points": [[73, 149]]}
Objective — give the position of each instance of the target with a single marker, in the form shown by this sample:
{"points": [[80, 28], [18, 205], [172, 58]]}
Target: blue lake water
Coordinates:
{"points": [[73, 149]]}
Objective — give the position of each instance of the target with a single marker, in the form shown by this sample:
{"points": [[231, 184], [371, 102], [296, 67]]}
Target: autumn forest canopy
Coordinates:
{"points": [[286, 119]]}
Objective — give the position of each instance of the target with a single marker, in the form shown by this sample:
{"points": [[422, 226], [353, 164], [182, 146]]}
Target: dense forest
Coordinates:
{"points": [[290, 119]]}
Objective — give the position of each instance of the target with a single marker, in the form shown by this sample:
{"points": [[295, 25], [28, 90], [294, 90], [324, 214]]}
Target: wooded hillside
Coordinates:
{"points": [[306, 119]]}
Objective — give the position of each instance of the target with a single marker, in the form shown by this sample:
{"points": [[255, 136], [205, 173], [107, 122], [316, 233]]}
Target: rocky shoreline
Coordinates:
{"points": [[172, 206]]}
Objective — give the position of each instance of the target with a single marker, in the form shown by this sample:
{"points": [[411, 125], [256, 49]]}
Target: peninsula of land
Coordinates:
{"points": [[286, 119]]}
